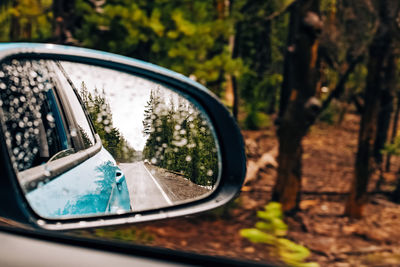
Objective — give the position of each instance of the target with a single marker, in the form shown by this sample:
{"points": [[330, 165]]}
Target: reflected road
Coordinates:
{"points": [[144, 189]]}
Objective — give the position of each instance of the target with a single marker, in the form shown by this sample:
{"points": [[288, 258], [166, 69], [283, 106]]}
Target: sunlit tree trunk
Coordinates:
{"points": [[299, 107], [380, 75]]}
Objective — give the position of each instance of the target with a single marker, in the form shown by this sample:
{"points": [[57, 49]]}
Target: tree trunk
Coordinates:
{"points": [[15, 27], [287, 83], [299, 107], [63, 20], [385, 112], [394, 130], [378, 78]]}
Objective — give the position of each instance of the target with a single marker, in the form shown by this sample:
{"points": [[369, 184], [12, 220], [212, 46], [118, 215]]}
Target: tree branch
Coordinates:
{"points": [[341, 84], [280, 12]]}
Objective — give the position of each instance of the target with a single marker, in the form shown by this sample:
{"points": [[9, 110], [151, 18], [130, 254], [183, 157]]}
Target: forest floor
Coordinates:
{"points": [[334, 240]]}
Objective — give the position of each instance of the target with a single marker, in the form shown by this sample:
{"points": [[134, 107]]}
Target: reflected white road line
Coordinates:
{"points": [[158, 185]]}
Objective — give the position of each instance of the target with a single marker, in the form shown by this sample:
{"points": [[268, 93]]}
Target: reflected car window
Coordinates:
{"points": [[34, 124], [81, 119]]}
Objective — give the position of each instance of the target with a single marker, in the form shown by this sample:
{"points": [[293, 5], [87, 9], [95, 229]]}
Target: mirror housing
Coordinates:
{"points": [[226, 130]]}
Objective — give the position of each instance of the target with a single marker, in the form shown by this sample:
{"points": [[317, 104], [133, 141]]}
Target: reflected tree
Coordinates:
{"points": [[179, 139]]}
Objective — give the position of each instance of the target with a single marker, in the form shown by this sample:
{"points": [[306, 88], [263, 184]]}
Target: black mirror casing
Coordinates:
{"points": [[230, 141]]}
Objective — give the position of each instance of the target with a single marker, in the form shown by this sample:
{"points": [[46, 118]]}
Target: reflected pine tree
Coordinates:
{"points": [[179, 139], [111, 137]]}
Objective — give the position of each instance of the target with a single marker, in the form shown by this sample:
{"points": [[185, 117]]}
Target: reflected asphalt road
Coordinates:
{"points": [[144, 189]]}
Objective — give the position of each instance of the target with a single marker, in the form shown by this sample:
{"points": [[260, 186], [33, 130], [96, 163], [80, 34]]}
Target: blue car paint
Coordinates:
{"points": [[87, 189]]}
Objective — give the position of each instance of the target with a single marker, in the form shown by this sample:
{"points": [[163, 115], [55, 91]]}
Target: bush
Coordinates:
{"points": [[256, 120]]}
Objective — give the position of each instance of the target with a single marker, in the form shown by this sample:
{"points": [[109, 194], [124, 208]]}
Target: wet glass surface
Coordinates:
{"points": [[157, 147]]}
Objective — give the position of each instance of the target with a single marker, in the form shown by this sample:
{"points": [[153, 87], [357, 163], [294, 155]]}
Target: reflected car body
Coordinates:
{"points": [[107, 193]]}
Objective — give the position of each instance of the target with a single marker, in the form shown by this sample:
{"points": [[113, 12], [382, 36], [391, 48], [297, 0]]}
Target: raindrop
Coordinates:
{"points": [[188, 158], [65, 191], [50, 117], [33, 74], [73, 132], [47, 171], [210, 172], [40, 184]]}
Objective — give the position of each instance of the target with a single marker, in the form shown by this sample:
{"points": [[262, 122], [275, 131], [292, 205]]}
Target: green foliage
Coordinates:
{"points": [[25, 20], [271, 230], [392, 149], [257, 120], [111, 138], [261, 46], [179, 139], [186, 36], [331, 113]]}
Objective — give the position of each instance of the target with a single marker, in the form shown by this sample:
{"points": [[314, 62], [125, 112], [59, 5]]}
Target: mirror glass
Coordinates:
{"points": [[86, 140]]}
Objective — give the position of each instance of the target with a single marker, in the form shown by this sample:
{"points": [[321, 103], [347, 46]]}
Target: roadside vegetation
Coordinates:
{"points": [[180, 139], [112, 139]]}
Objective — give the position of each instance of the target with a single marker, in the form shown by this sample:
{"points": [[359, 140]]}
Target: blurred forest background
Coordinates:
{"points": [[284, 67]]}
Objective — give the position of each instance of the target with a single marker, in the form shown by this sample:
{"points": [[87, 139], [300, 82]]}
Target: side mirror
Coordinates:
{"points": [[92, 139]]}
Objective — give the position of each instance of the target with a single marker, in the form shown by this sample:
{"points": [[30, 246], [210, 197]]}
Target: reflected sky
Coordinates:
{"points": [[126, 93]]}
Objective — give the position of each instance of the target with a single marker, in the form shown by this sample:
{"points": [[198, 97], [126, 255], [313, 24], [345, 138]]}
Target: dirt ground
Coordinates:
{"points": [[333, 239]]}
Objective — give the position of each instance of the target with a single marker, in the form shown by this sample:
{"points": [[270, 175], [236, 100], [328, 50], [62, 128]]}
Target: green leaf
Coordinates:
{"points": [[292, 251], [257, 236]]}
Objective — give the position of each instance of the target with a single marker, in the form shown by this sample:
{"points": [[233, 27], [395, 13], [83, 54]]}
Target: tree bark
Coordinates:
{"points": [[15, 27], [63, 21], [299, 107], [394, 130], [379, 75]]}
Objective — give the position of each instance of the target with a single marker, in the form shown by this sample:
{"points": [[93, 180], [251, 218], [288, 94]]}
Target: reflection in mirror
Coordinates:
{"points": [[86, 140]]}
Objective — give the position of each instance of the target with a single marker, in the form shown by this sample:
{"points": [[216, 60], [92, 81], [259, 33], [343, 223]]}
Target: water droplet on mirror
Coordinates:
{"points": [[210, 172], [40, 222], [50, 117], [188, 158], [65, 191], [47, 171], [153, 160], [33, 74], [73, 132]]}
